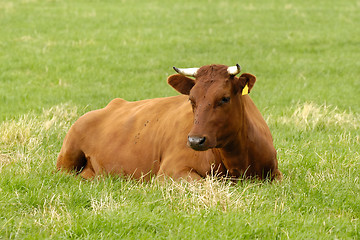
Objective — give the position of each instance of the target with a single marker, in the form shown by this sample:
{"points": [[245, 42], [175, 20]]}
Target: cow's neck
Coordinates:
{"points": [[235, 153]]}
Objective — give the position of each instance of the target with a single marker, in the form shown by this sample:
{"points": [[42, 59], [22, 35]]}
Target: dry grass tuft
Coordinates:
{"points": [[310, 116], [5, 159], [210, 193], [52, 216], [29, 130], [23, 137], [20, 132], [106, 203], [6, 6], [59, 117]]}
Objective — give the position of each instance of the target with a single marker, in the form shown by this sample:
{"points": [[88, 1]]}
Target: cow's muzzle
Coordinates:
{"points": [[198, 143]]}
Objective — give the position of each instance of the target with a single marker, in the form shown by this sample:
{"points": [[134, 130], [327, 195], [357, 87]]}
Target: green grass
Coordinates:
{"points": [[60, 59]]}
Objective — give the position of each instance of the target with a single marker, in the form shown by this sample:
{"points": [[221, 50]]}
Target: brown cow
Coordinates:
{"points": [[212, 127]]}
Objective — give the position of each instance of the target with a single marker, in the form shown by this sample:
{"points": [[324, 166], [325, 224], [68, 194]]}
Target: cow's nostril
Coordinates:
{"points": [[198, 141], [202, 140]]}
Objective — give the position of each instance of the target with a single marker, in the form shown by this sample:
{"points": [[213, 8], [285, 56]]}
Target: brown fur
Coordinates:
{"points": [[149, 137]]}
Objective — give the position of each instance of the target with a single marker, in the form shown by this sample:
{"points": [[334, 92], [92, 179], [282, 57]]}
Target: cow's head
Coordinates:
{"points": [[216, 98]]}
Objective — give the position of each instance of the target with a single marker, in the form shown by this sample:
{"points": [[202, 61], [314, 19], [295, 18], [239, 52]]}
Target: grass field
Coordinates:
{"points": [[60, 59]]}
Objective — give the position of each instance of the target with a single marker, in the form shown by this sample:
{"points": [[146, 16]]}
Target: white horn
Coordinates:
{"points": [[186, 71], [234, 70]]}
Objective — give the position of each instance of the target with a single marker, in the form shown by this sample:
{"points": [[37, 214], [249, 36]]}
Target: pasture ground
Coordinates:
{"points": [[62, 58]]}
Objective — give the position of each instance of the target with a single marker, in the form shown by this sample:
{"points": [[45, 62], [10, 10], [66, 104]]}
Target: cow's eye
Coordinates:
{"points": [[224, 100]]}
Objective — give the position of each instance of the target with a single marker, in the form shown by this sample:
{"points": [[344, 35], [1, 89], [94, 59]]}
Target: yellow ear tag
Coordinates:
{"points": [[245, 90]]}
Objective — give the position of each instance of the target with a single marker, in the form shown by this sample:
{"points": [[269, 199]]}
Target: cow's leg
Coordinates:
{"points": [[71, 158], [185, 174], [88, 172], [190, 176]]}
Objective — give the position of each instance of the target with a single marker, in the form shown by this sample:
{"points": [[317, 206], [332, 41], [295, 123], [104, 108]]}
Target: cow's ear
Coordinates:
{"points": [[181, 83], [245, 78]]}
